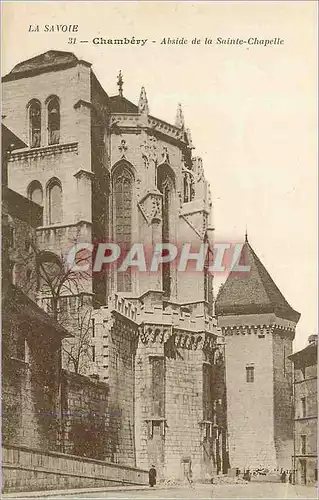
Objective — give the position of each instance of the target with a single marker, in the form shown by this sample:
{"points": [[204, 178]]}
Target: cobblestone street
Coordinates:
{"points": [[247, 491]]}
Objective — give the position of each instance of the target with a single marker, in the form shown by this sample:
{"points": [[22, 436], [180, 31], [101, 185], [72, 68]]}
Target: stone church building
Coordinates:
{"points": [[105, 170]]}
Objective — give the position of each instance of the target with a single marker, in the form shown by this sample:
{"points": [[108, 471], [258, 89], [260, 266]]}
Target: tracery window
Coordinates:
{"points": [[53, 121], [123, 205], [35, 124], [165, 185]]}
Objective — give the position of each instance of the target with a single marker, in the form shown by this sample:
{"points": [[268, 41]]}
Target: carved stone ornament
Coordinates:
{"points": [[123, 147], [165, 155], [151, 205], [149, 151], [154, 334], [143, 107]]}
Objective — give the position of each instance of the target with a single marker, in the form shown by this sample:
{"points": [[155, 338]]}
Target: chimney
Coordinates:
{"points": [[313, 339]]}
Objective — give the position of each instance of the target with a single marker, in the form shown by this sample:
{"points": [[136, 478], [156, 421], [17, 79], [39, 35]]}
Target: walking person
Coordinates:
{"points": [[152, 476], [189, 476]]}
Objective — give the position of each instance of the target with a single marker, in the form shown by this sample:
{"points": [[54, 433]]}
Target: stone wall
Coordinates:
{"points": [[283, 399], [184, 412], [85, 417], [121, 361], [173, 430], [30, 399], [250, 406], [27, 469], [114, 340]]}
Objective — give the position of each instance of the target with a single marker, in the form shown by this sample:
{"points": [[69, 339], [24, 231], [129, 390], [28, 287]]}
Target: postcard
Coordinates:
{"points": [[159, 249]]}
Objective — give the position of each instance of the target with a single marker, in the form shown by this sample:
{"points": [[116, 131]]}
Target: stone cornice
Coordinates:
{"points": [[62, 226], [44, 151], [155, 419], [261, 330], [151, 333], [123, 327], [133, 122], [123, 306], [182, 339]]}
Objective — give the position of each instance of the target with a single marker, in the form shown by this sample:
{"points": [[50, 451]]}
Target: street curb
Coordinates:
{"points": [[49, 493]]}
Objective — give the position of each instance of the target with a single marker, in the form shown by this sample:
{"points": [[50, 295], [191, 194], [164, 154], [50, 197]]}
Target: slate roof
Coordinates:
{"points": [[10, 140], [119, 104], [252, 292], [22, 208], [52, 60], [18, 306], [306, 357]]}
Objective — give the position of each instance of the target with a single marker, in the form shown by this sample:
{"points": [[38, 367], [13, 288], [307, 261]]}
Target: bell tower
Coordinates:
{"points": [[259, 328]]}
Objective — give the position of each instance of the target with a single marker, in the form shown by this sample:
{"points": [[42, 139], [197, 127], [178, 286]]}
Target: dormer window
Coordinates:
{"points": [[35, 124], [53, 121]]}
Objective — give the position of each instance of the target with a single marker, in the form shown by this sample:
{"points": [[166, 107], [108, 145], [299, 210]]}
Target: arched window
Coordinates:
{"points": [[165, 185], [35, 192], [53, 121], [35, 124], [55, 201], [123, 205]]}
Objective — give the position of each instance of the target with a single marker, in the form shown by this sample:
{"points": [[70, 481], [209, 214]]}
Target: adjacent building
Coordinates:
{"points": [[259, 328], [305, 413]]}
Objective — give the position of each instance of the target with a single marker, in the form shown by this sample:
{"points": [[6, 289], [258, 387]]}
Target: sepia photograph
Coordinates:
{"points": [[159, 249]]}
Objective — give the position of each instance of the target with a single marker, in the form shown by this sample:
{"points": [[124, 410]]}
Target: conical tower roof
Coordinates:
{"points": [[252, 292]]}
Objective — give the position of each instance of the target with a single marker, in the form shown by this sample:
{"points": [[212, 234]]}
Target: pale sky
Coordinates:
{"points": [[252, 112]]}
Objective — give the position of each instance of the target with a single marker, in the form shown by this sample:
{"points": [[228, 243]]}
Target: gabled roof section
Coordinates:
{"points": [[252, 292], [18, 306], [22, 208], [306, 357], [52, 60], [119, 104], [10, 140]]}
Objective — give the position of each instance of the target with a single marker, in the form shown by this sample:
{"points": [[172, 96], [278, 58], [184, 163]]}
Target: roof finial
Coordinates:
{"points": [[246, 235], [120, 82], [179, 121], [143, 102]]}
